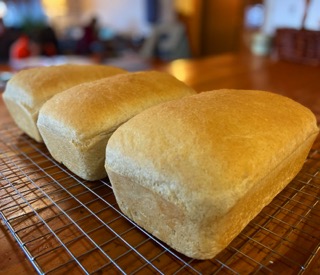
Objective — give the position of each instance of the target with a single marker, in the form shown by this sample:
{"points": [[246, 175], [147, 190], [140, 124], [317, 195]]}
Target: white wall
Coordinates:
{"points": [[290, 14], [124, 16]]}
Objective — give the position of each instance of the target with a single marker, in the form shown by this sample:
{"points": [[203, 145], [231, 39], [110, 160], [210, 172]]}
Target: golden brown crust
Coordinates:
{"points": [[84, 116], [211, 153], [27, 90]]}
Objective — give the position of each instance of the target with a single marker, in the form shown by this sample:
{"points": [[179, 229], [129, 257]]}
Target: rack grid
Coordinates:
{"points": [[63, 223]]}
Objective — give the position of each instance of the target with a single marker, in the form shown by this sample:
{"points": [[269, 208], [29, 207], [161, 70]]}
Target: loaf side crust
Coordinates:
{"points": [[30, 88], [205, 235], [24, 118], [86, 161]]}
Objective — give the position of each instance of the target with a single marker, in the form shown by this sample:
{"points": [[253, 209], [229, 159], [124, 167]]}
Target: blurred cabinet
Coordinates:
{"points": [[214, 26]]}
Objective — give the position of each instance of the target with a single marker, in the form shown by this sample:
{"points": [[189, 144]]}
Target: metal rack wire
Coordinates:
{"points": [[63, 223]]}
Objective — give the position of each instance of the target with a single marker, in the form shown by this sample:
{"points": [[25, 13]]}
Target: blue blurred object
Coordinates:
{"points": [[153, 11], [254, 16]]}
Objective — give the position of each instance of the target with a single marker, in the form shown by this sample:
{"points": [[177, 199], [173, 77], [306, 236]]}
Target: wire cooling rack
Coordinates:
{"points": [[64, 224]]}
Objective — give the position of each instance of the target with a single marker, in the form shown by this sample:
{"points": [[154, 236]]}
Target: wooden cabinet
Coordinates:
{"points": [[214, 26]]}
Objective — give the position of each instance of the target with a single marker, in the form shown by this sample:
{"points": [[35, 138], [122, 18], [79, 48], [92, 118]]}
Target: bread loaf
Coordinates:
{"points": [[28, 89], [195, 171], [76, 124]]}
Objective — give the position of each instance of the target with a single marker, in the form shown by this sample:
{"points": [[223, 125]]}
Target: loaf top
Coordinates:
{"points": [[99, 107], [213, 146], [34, 86]]}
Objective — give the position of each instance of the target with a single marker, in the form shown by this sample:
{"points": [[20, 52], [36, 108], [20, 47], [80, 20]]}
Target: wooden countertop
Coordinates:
{"points": [[296, 81], [299, 82]]}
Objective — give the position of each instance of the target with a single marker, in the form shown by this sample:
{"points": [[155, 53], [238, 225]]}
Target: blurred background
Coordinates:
{"points": [[127, 32]]}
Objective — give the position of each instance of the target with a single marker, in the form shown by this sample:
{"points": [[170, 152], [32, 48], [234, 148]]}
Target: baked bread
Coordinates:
{"points": [[195, 171], [76, 124], [28, 89]]}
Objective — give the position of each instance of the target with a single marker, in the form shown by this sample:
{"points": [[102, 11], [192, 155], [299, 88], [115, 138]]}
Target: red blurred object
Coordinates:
{"points": [[21, 48]]}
